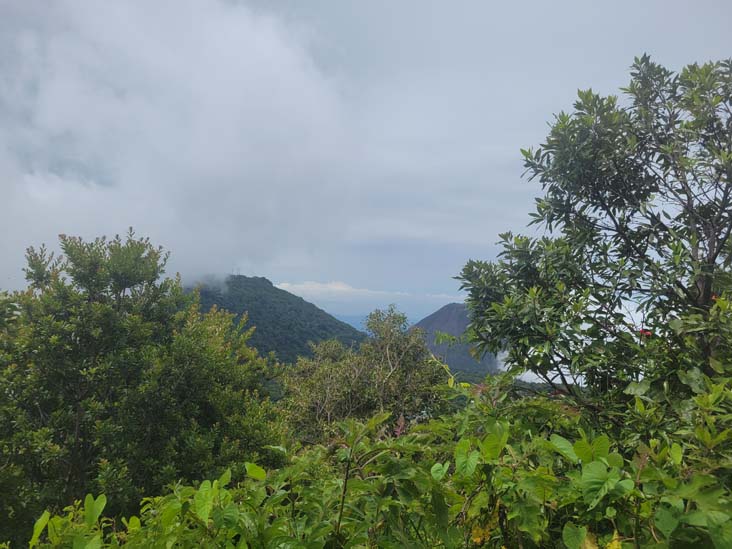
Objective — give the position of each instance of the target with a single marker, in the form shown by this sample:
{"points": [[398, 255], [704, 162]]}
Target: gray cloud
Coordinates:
{"points": [[374, 143]]}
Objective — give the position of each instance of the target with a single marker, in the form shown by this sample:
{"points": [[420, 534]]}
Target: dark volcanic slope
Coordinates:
{"points": [[285, 323], [453, 319]]}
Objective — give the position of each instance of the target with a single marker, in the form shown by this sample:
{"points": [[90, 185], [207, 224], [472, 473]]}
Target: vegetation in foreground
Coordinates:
{"points": [[624, 311]]}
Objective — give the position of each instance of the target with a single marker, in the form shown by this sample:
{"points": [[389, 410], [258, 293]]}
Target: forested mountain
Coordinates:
{"points": [[285, 323], [453, 319]]}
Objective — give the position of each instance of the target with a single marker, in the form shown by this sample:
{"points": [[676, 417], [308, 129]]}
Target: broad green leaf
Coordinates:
{"points": [[573, 536], [466, 460], [716, 365], [228, 517], [692, 378], [587, 452], [495, 441], [615, 460], [225, 478], [721, 535], [255, 471], [666, 521], [169, 513], [203, 501], [624, 486], [596, 482], [38, 528], [583, 450], [133, 523], [93, 508], [564, 447], [600, 447], [439, 470], [94, 543], [695, 518]]}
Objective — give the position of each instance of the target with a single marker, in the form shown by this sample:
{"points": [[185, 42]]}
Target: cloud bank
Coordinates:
{"points": [[371, 143]]}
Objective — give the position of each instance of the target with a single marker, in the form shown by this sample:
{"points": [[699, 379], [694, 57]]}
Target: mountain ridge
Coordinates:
{"points": [[453, 319], [284, 323]]}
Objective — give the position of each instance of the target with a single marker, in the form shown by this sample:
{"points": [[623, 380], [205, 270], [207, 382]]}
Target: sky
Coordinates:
{"points": [[354, 153]]}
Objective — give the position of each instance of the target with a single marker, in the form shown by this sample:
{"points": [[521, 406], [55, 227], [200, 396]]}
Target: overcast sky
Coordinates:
{"points": [[355, 153]]}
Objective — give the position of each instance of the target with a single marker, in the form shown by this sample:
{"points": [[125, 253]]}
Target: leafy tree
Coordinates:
{"points": [[392, 371], [112, 381], [638, 196]]}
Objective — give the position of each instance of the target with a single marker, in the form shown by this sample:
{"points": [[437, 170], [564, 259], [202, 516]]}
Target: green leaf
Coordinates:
{"points": [[38, 528], [638, 388], [465, 460], [716, 365], [597, 481], [439, 470], [587, 452], [666, 521], [169, 513], [203, 501], [615, 460], [377, 420], [93, 508], [695, 518], [721, 535], [94, 543], [133, 524], [692, 378], [583, 450], [228, 517], [494, 443], [564, 447], [676, 453], [255, 471], [225, 478], [573, 536], [600, 447]]}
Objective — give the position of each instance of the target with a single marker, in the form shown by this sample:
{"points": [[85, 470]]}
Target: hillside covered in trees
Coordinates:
{"points": [[284, 323], [130, 415]]}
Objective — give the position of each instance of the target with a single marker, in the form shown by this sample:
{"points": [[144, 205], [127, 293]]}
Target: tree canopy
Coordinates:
{"points": [[113, 381], [638, 203]]}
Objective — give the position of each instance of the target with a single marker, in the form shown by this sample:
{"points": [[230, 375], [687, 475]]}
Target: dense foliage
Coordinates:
{"points": [[507, 470], [284, 323], [391, 371], [112, 382], [624, 309], [638, 198]]}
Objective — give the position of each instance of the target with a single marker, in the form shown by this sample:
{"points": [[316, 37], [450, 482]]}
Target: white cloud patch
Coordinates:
{"points": [[201, 123], [335, 290], [342, 298]]}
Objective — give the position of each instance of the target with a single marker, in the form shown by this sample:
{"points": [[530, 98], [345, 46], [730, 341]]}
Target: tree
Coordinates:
{"points": [[392, 371], [638, 200], [113, 381]]}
